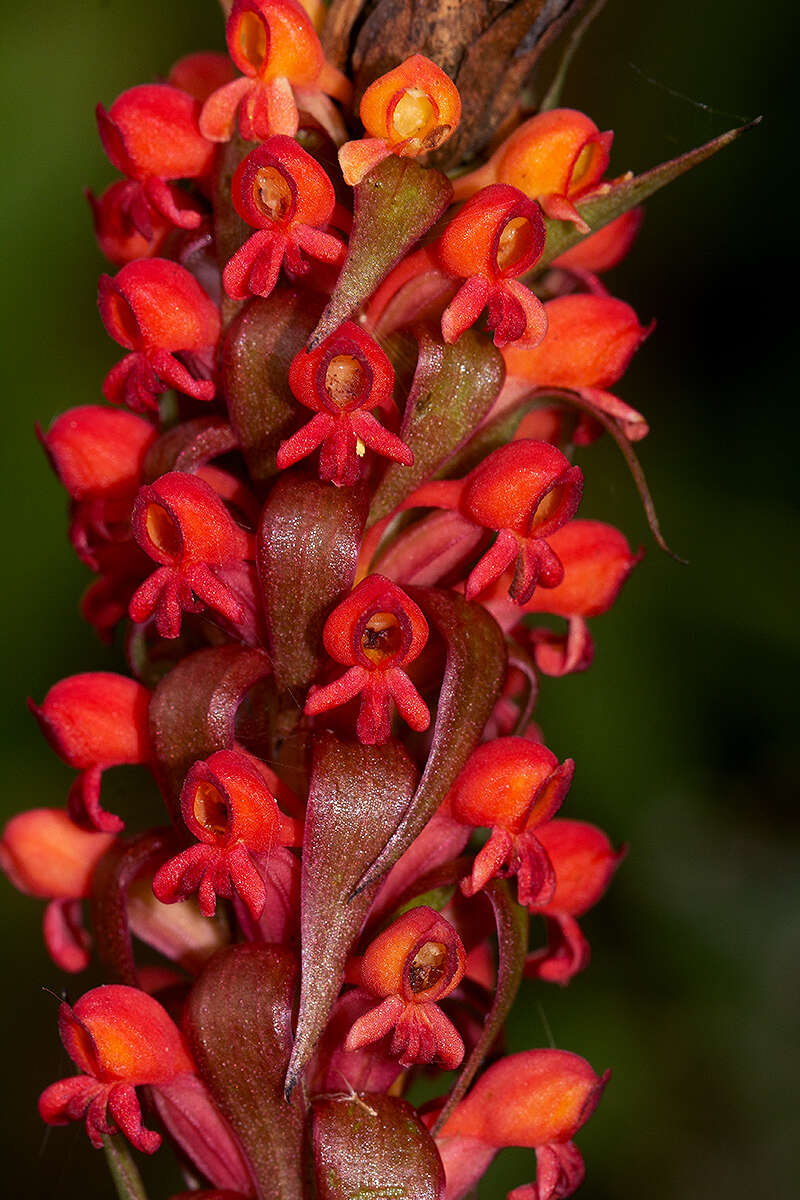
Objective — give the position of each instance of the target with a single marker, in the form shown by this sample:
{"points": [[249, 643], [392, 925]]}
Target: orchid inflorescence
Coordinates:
{"points": [[330, 501]]}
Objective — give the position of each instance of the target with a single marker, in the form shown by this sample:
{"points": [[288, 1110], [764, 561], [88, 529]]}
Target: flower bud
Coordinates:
{"points": [[45, 854], [584, 862], [540, 1099], [98, 452], [590, 341], [597, 560]]}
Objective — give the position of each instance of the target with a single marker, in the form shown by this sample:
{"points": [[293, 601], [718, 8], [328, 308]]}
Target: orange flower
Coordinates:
{"points": [[275, 46], [556, 157], [418, 960], [408, 111]]}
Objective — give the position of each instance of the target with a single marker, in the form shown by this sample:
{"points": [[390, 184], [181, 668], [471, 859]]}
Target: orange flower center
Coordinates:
{"points": [[514, 243], [209, 808], [382, 638], [344, 379], [427, 966], [163, 531], [272, 195], [253, 40], [413, 114], [547, 506]]}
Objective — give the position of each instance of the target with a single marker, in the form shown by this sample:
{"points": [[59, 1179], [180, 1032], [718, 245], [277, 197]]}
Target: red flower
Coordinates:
{"points": [[597, 560], [408, 111], [584, 862], [156, 308], [227, 805], [340, 380], [285, 194], [94, 721], [119, 1038], [181, 522], [45, 854], [376, 631], [498, 235], [539, 1098], [590, 341], [417, 961], [151, 134], [98, 455], [118, 238], [513, 786], [525, 491], [275, 46]]}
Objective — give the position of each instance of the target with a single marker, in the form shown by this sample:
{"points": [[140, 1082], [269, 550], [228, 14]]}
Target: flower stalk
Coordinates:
{"points": [[331, 506]]}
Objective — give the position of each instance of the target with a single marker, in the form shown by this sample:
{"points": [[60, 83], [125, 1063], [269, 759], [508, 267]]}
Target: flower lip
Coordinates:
{"points": [[274, 194], [162, 533], [515, 246], [344, 377], [206, 806], [250, 34], [412, 114], [210, 810], [346, 380], [383, 636], [264, 191], [430, 969]]}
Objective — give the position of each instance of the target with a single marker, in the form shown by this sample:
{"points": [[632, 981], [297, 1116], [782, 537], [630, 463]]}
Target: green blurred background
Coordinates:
{"points": [[682, 730]]}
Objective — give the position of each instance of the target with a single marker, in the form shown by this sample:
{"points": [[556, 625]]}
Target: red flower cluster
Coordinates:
{"points": [[333, 660]]}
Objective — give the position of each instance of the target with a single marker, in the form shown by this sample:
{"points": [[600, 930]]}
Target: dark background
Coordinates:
{"points": [[682, 730]]}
